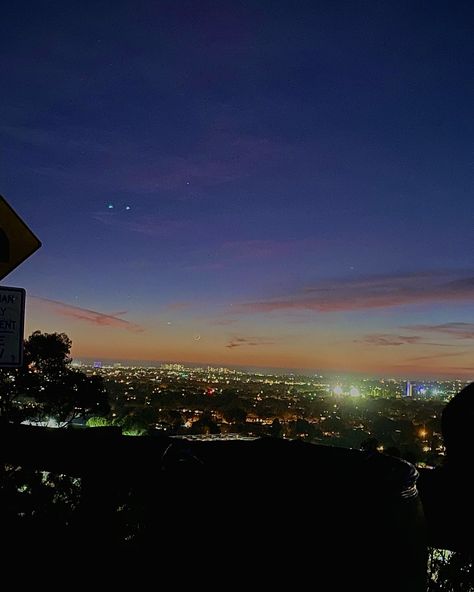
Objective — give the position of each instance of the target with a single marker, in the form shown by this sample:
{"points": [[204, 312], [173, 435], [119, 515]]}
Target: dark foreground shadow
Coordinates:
{"points": [[232, 513]]}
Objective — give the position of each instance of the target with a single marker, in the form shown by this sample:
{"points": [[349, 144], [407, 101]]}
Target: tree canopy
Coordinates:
{"points": [[46, 385], [48, 353]]}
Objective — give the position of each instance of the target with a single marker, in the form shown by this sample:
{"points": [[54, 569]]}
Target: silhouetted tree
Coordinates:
{"points": [[173, 419], [8, 394], [48, 353], [235, 415], [72, 394], [450, 572], [46, 385], [205, 425], [276, 429]]}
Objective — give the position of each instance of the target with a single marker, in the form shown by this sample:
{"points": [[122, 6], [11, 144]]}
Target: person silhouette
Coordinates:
{"points": [[457, 422], [447, 491]]}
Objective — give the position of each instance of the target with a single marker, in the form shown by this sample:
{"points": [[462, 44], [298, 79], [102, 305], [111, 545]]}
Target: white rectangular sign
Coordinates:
{"points": [[12, 317]]}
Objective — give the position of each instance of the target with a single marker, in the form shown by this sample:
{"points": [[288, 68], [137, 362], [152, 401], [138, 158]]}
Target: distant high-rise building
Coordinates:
{"points": [[409, 389], [174, 367], [97, 364]]}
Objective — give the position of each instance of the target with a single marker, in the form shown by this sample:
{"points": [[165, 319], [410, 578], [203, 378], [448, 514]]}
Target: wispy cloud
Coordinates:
{"points": [[112, 162], [174, 173], [456, 330], [265, 249], [436, 356], [76, 139], [90, 316], [388, 339], [438, 368], [394, 340], [218, 158], [248, 341], [149, 225], [373, 292]]}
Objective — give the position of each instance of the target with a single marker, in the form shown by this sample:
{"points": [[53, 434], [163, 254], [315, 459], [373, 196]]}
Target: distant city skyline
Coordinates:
{"points": [[246, 184], [275, 370]]}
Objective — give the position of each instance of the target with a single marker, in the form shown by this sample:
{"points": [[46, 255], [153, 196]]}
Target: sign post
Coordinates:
{"points": [[12, 315], [17, 243]]}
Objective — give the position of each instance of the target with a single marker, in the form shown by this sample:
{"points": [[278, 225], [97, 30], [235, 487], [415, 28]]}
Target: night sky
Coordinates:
{"points": [[276, 184]]}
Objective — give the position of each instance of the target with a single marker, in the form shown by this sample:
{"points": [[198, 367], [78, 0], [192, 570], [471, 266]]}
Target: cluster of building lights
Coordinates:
{"points": [[353, 391]]}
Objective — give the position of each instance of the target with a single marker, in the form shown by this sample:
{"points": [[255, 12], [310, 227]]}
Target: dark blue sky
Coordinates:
{"points": [[255, 154]]}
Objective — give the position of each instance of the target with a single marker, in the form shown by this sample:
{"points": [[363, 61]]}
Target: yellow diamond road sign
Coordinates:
{"points": [[17, 242]]}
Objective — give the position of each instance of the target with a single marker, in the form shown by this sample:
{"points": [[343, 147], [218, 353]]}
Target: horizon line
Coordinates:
{"points": [[275, 370]]}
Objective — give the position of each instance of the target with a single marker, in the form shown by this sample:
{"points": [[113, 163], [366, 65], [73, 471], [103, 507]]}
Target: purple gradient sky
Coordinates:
{"points": [[299, 178]]}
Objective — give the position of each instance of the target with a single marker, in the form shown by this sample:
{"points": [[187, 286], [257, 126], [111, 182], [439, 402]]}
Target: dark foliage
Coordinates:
{"points": [[47, 387]]}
